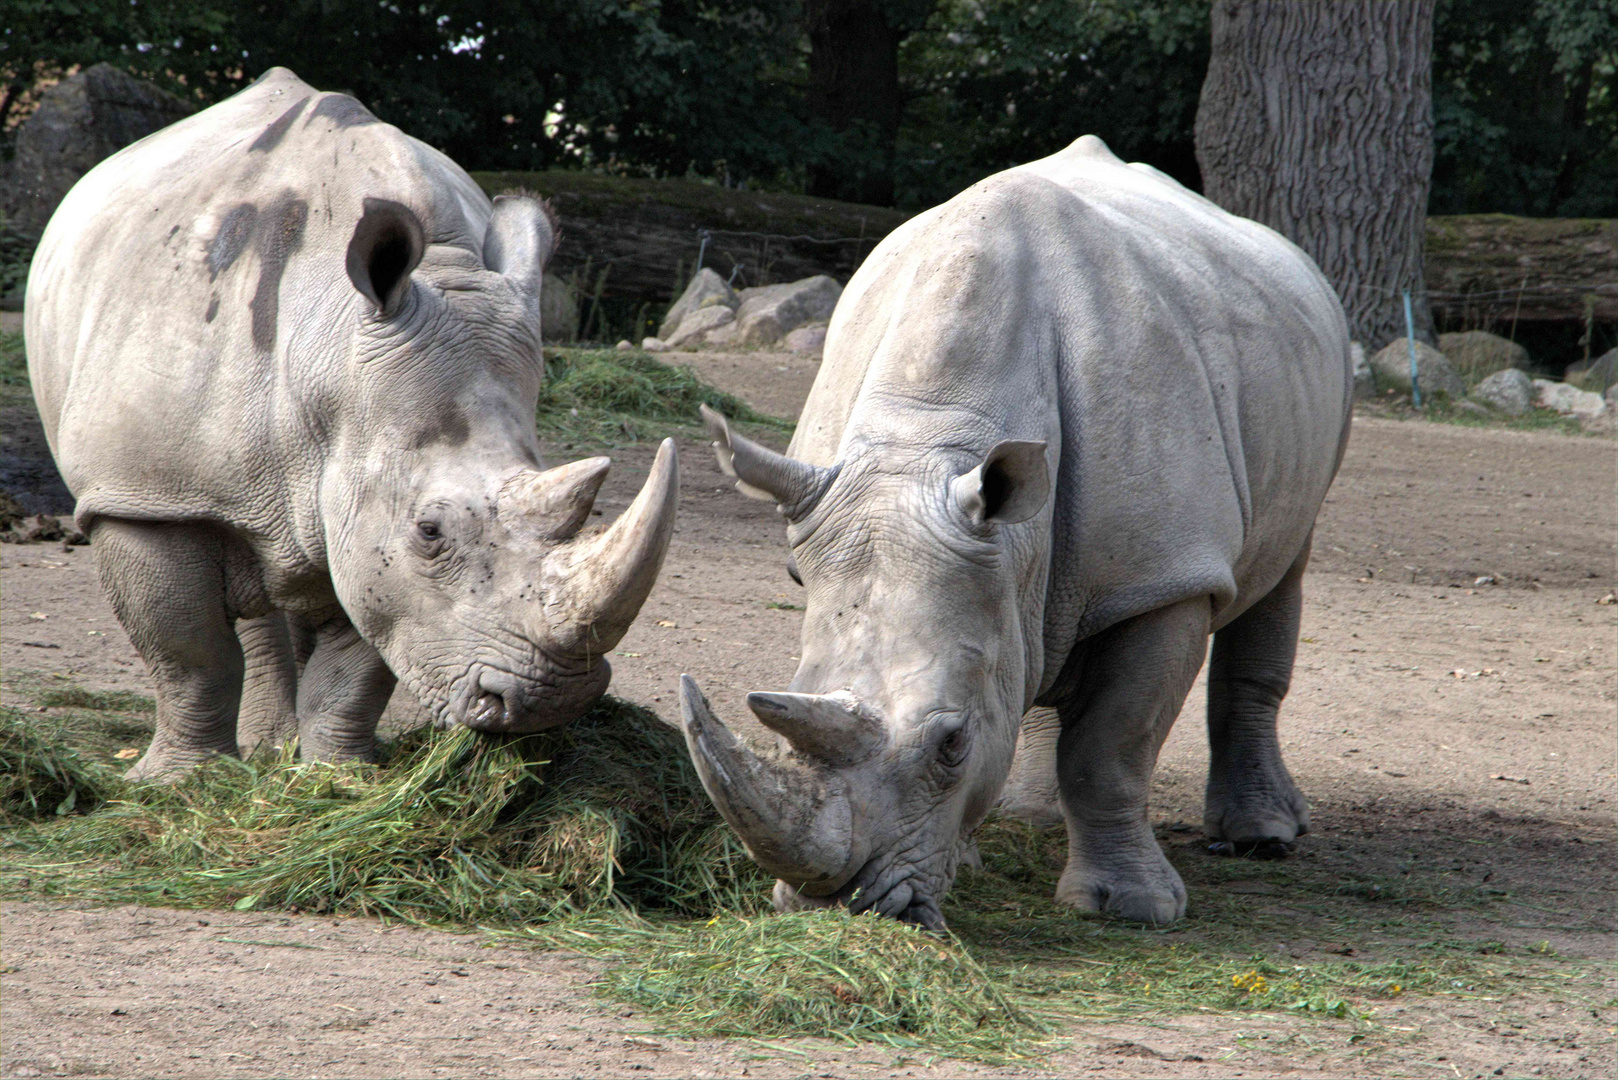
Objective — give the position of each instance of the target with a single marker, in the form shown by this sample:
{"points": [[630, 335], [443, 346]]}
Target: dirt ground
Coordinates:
{"points": [[1453, 708]]}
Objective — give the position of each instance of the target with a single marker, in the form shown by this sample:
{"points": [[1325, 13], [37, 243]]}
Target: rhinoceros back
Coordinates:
{"points": [[188, 315], [1189, 370]]}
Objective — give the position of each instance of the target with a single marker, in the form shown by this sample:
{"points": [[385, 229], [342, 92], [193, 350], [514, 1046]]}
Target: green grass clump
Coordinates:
{"points": [[612, 395], [458, 829], [40, 776], [829, 974], [14, 385]]}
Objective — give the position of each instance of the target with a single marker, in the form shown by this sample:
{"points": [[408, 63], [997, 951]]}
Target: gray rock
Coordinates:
{"points": [[705, 290], [694, 328], [1433, 371], [1364, 378], [80, 121], [770, 312], [653, 344], [1599, 375], [558, 310], [1510, 391], [809, 340], [1476, 354], [1568, 400]]}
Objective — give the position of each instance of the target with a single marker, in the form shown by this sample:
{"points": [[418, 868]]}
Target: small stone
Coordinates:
{"points": [[624, 346], [653, 344], [1433, 370], [1510, 391], [1568, 400], [770, 312]]}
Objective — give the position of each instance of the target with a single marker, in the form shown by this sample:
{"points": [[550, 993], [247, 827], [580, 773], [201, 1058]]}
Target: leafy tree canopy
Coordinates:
{"points": [[1525, 91]]}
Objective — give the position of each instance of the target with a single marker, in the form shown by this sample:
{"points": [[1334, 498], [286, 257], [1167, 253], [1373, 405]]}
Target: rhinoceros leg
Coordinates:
{"points": [[341, 694], [1251, 800], [167, 584], [269, 710], [1130, 684], [1030, 792]]}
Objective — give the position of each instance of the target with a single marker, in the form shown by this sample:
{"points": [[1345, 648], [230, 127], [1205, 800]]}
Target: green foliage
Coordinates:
{"points": [[829, 973], [611, 395], [13, 360], [995, 83], [41, 776], [1525, 108]]}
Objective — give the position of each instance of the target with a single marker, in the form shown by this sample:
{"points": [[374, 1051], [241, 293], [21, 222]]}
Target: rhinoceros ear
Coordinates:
{"points": [[1010, 486], [522, 234], [387, 245]]}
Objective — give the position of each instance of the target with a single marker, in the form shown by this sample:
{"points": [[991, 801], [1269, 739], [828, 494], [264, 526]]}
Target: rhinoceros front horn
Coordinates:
{"points": [[596, 585], [795, 819]]}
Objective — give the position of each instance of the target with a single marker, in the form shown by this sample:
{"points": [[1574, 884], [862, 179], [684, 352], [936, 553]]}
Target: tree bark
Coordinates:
{"points": [[854, 90], [1316, 119]]}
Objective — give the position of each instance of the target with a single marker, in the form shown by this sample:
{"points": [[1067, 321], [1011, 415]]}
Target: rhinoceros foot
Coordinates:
{"points": [[1258, 811], [1124, 876]]}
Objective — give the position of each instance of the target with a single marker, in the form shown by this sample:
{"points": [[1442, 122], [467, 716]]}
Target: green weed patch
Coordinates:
{"points": [[42, 777]]}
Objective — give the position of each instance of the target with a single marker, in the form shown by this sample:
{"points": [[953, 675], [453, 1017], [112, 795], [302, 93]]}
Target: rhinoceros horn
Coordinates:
{"points": [[596, 585], [829, 728], [557, 501], [794, 816], [761, 473]]}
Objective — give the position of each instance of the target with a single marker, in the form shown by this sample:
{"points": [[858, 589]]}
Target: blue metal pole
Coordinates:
{"points": [[1410, 336]]}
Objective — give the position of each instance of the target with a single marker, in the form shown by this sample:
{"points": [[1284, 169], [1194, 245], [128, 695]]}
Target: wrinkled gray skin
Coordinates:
{"points": [[287, 358], [1069, 424]]}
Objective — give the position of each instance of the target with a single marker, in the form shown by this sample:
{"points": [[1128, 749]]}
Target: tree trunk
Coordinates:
{"points": [[1316, 119], [854, 90]]}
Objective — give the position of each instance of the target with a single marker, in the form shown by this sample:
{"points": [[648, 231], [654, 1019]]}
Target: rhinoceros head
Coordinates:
{"points": [[451, 549], [898, 730]]}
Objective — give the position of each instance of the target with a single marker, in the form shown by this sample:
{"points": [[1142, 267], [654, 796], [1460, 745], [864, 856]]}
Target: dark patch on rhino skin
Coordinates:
{"points": [[213, 308], [343, 110], [451, 427], [280, 234], [270, 137], [231, 239]]}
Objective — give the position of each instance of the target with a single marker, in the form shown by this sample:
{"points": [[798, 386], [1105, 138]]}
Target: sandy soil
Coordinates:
{"points": [[1454, 704]]}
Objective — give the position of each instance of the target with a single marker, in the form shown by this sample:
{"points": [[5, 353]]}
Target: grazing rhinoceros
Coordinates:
{"points": [[1069, 424], [287, 358]]}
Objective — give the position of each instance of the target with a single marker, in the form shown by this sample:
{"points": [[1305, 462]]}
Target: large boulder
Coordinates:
{"points": [[80, 121], [558, 310], [705, 290], [1598, 374], [770, 312], [1477, 354], [695, 329], [1510, 391], [1433, 371], [808, 340], [1568, 400]]}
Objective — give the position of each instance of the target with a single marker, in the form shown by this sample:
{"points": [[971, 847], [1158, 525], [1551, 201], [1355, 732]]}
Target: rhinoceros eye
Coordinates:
{"points": [[952, 749], [427, 530]]}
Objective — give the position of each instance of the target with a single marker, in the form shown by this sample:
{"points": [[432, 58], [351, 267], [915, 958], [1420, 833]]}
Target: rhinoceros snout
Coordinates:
{"points": [[509, 705]]}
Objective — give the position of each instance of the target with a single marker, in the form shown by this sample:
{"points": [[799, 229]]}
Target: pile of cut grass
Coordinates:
{"points": [[612, 396], [42, 777], [458, 830], [829, 974]]}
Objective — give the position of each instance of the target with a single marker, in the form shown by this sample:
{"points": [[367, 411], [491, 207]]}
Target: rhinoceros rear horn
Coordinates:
{"points": [[598, 583], [521, 237], [387, 245], [796, 822], [829, 728], [761, 473], [556, 502]]}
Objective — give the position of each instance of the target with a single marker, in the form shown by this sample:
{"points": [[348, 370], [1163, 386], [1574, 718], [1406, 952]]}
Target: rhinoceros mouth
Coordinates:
{"points": [[500, 702]]}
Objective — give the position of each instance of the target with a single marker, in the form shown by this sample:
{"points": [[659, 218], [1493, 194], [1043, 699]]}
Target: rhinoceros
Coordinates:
{"points": [[1068, 425], [288, 359]]}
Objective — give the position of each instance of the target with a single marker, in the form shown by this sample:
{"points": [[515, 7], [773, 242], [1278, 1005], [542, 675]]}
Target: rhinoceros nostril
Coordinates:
{"points": [[488, 711]]}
